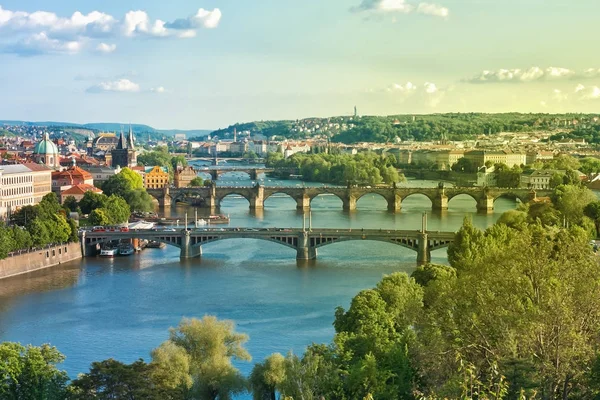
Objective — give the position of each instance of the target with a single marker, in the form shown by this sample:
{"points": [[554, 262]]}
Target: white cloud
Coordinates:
{"points": [[559, 96], [40, 43], [430, 88], [533, 74], [19, 27], [433, 9], [121, 85], [159, 89], [106, 48], [588, 93], [401, 6], [202, 19], [406, 89]]}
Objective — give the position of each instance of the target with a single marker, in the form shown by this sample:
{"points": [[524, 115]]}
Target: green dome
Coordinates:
{"points": [[45, 146]]}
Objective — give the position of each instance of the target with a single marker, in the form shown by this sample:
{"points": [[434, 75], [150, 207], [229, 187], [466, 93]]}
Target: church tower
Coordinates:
{"points": [[124, 155]]}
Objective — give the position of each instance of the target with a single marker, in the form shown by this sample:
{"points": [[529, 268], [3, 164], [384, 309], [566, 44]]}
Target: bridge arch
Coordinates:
{"points": [[158, 238], [314, 203], [417, 200], [511, 196], [406, 243], [283, 196], [222, 197], [290, 244], [377, 199]]}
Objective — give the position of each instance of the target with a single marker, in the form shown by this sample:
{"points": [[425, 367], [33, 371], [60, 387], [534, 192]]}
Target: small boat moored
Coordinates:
{"points": [[108, 252]]}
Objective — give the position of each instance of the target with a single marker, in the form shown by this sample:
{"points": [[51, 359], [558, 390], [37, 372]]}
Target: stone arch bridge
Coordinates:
{"points": [[211, 197], [215, 173], [305, 242]]}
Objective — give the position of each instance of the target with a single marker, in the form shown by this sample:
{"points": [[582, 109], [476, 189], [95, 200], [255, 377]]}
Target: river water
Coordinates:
{"points": [[122, 308]]}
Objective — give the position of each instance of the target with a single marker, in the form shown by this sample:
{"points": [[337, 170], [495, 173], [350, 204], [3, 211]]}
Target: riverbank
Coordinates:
{"points": [[34, 260]]}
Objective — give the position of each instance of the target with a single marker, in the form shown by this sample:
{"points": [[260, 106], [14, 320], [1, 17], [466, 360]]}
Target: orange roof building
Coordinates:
{"points": [[78, 191]]}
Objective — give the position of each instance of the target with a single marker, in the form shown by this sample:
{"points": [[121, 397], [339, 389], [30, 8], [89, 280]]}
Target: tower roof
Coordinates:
{"points": [[45, 146]]}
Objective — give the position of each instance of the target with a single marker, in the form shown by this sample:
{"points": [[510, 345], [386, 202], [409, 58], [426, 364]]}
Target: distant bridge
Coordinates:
{"points": [[212, 196], [305, 242], [216, 172]]}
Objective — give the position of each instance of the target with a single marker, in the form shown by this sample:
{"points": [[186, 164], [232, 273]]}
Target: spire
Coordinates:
{"points": [[130, 139], [122, 143]]}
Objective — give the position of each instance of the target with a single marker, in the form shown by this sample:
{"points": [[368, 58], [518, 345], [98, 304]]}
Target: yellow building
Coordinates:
{"points": [[156, 177]]}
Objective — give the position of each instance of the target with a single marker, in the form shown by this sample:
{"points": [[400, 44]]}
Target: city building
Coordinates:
{"points": [[184, 175], [156, 177], [102, 174], [480, 157], [46, 152], [105, 143], [486, 177], [78, 191], [539, 180], [42, 180], [124, 155], [16, 190], [72, 176]]}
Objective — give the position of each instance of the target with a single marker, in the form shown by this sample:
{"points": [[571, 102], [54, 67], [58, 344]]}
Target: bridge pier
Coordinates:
{"points": [[486, 203], [349, 203], [423, 251], [253, 174], [187, 250], [395, 204], [305, 251], [303, 203], [257, 201], [440, 202], [214, 174]]}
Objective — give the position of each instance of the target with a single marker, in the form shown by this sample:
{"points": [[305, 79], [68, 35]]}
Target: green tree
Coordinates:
{"points": [[21, 239], [556, 179], [571, 200], [211, 345], [123, 182], [30, 373], [6, 243], [171, 370], [100, 217], [266, 377], [117, 210], [112, 379], [40, 236], [71, 204], [464, 165], [139, 200], [92, 201], [197, 182], [178, 160], [462, 250], [525, 309]]}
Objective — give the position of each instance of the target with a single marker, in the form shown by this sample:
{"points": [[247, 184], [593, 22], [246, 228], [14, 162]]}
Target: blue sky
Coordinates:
{"points": [[211, 63]]}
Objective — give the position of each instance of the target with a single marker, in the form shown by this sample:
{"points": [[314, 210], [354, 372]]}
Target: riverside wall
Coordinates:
{"points": [[34, 260]]}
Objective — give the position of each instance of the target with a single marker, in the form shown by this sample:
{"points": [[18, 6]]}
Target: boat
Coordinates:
{"points": [[108, 252], [155, 245], [218, 219], [126, 249], [201, 222]]}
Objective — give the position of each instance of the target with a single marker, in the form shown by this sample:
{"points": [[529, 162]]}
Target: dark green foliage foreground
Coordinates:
{"points": [[515, 316]]}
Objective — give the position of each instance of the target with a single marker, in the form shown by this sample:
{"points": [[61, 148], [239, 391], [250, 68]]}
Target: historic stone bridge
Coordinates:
{"points": [[215, 173], [211, 197], [305, 242]]}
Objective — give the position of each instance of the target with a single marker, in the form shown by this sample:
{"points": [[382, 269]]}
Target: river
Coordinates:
{"points": [[122, 308]]}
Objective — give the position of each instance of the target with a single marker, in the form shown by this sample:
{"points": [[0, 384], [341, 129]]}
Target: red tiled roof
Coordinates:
{"points": [[81, 190], [37, 167]]}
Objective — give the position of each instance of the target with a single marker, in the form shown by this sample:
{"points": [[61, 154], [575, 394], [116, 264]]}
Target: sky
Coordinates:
{"points": [[206, 64]]}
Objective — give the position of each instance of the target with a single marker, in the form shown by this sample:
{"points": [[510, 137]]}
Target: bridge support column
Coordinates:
{"points": [[423, 252], [257, 201], [303, 203], [187, 250], [395, 203], [214, 174], [350, 203], [486, 203], [304, 250], [440, 203], [253, 174]]}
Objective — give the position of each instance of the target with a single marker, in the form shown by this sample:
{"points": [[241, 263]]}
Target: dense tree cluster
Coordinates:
{"points": [[128, 184], [37, 226], [454, 126], [161, 157], [341, 169]]}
